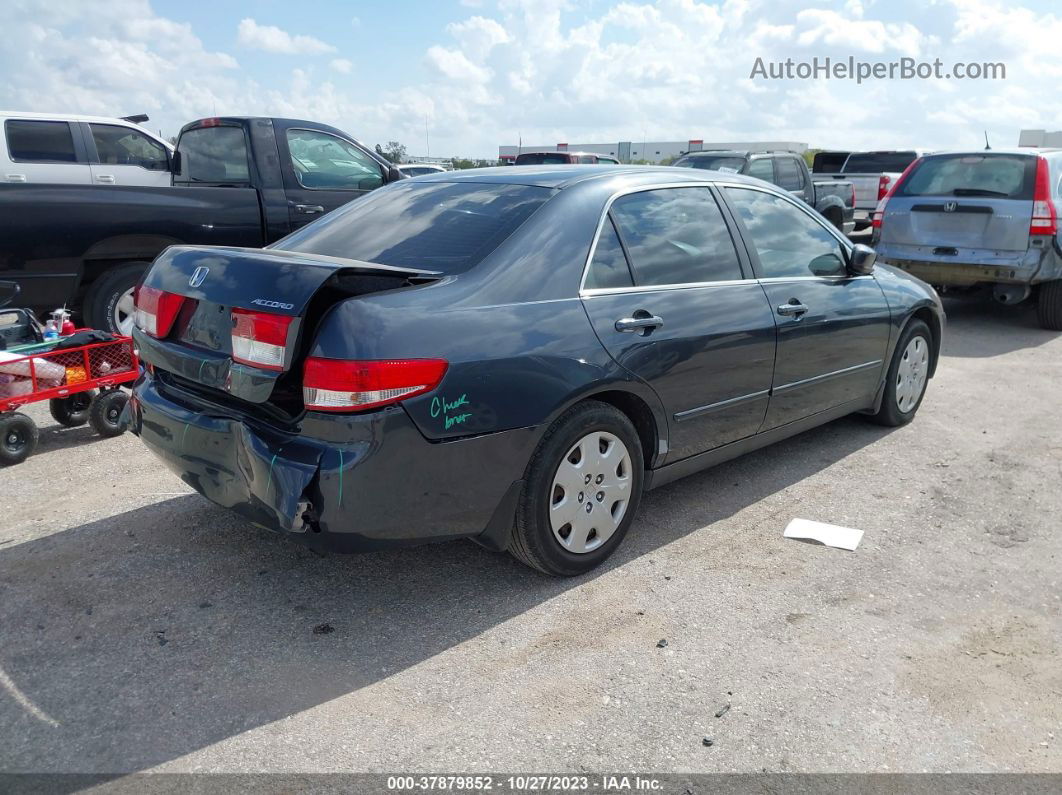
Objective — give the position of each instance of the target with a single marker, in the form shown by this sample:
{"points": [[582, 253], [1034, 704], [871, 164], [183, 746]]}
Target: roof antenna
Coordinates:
{"points": [[986, 140]]}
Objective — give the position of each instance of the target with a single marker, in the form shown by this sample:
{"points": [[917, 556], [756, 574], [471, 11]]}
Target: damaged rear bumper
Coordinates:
{"points": [[338, 482]]}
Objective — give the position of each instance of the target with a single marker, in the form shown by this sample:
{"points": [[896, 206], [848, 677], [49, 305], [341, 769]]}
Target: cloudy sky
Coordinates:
{"points": [[479, 73]]}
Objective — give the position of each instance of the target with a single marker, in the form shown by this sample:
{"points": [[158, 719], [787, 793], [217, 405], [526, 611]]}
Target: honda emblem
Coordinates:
{"points": [[198, 276], [950, 207]]}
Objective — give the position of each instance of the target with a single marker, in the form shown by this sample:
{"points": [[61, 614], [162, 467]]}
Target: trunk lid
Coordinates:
{"points": [[197, 353]]}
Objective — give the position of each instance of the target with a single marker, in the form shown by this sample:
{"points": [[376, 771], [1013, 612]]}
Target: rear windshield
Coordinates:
{"points": [[712, 162], [877, 162], [829, 162], [1000, 176], [440, 226], [542, 158]]}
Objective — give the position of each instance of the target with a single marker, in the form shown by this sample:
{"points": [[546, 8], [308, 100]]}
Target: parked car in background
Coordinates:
{"points": [[64, 149], [560, 158], [829, 161], [980, 218], [514, 354], [872, 174], [833, 198], [231, 181], [420, 169]]}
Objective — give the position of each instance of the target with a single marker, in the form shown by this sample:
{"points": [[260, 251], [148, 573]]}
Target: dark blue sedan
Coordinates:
{"points": [[515, 355]]}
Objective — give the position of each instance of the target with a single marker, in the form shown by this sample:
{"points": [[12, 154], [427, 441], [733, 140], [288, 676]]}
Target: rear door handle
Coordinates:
{"points": [[16, 177], [642, 321], [793, 309], [309, 209]]}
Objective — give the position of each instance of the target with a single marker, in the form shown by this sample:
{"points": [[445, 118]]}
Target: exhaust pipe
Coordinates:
{"points": [[1011, 293]]}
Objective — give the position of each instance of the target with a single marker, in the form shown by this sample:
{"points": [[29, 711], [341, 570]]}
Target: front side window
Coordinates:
{"points": [[788, 174], [440, 226], [761, 169], [789, 242], [40, 141], [123, 146], [213, 154], [676, 236], [609, 266], [324, 161]]}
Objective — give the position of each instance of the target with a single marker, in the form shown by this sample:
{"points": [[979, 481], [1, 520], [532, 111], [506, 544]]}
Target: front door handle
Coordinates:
{"points": [[309, 209], [793, 309], [16, 177], [642, 322], [106, 179]]}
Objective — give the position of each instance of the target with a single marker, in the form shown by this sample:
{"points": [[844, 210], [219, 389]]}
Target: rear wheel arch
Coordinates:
{"points": [[639, 413]]}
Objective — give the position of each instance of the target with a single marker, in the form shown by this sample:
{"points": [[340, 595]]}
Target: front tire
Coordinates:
{"points": [[905, 383], [581, 491], [108, 305], [1049, 306], [18, 438], [105, 413]]}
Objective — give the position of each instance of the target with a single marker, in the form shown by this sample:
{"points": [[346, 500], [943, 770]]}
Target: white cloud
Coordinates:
{"points": [[272, 39], [342, 65]]}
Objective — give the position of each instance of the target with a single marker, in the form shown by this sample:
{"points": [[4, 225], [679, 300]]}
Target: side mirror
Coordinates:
{"points": [[861, 260], [175, 164], [394, 174]]}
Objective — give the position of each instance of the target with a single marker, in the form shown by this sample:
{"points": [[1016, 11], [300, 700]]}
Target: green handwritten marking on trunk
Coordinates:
{"points": [[441, 406], [457, 420], [340, 478]]}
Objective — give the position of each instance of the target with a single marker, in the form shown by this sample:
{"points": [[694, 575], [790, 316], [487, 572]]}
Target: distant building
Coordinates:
{"points": [[650, 151], [1039, 138]]}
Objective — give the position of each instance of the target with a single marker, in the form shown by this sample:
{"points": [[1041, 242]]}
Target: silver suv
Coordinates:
{"points": [[979, 218]]}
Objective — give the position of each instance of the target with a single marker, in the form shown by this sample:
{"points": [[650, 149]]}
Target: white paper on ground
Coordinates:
{"points": [[829, 534]]}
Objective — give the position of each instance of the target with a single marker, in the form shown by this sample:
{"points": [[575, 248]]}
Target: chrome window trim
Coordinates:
{"points": [[804, 207], [584, 290]]}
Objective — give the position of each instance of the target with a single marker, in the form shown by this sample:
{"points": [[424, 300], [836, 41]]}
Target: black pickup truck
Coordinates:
{"points": [[237, 181]]}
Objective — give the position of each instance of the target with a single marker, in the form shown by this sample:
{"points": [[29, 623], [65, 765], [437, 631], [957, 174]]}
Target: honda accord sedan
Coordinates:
{"points": [[516, 355]]}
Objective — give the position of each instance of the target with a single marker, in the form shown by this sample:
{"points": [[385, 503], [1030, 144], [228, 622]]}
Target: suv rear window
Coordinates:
{"points": [[440, 226], [542, 158], [213, 154], [994, 176], [877, 162]]}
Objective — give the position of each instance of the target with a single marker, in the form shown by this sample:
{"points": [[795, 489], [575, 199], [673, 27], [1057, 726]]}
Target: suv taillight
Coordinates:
{"points": [[883, 186], [1044, 216], [155, 310], [259, 338], [879, 211], [348, 385]]}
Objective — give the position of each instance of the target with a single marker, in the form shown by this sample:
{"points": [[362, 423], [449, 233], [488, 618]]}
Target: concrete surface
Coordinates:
{"points": [[141, 628]]}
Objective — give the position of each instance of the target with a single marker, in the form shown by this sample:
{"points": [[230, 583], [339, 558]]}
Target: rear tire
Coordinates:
{"points": [[71, 411], [108, 304], [904, 390], [18, 438], [1049, 306], [105, 413], [614, 465]]}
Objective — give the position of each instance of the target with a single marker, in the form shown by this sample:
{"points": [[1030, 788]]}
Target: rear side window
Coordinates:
{"points": [[609, 266], [213, 154], [441, 226], [878, 162], [40, 141], [676, 236], [788, 174], [993, 176], [761, 169]]}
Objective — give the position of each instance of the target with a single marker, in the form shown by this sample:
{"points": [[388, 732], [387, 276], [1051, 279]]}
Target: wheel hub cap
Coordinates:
{"points": [[912, 374], [124, 310], [584, 516]]}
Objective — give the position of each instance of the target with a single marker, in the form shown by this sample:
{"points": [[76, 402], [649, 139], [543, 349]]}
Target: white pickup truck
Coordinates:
{"points": [[872, 174]]}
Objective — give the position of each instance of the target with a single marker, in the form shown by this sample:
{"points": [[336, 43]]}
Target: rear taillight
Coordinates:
{"points": [[259, 338], [155, 310], [1044, 216], [345, 385], [879, 211], [883, 186]]}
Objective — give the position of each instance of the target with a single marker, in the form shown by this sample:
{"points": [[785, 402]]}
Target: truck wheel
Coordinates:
{"points": [[1049, 306], [71, 411], [836, 218], [581, 491], [105, 413], [109, 303], [18, 438]]}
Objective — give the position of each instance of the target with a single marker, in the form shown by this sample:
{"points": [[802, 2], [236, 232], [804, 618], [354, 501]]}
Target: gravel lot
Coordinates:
{"points": [[141, 628]]}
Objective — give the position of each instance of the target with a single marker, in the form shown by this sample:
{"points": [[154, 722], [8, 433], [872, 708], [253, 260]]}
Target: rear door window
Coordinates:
{"points": [[988, 175], [761, 168], [788, 174], [40, 141], [790, 243], [213, 154], [676, 236], [441, 226], [878, 162]]}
